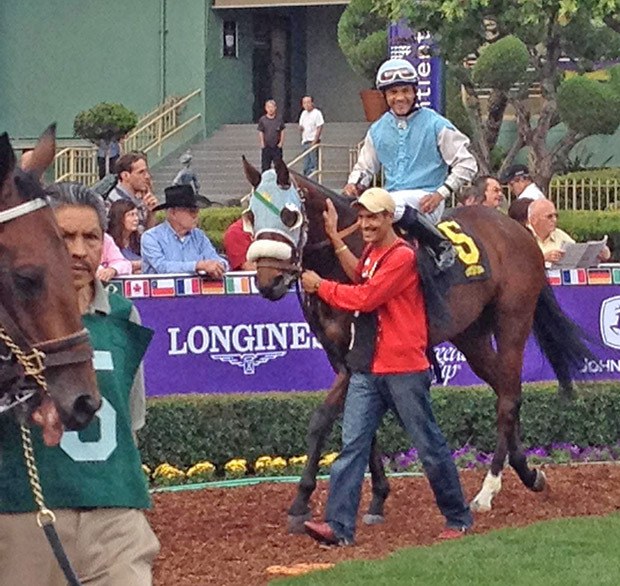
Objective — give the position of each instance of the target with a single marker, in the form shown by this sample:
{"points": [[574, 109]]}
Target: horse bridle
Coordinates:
{"points": [[292, 268], [28, 360]]}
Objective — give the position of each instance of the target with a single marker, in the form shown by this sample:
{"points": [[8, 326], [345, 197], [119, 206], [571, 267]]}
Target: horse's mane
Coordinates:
{"points": [[341, 202]]}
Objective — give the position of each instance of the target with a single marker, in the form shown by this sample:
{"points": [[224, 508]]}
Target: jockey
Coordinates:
{"points": [[424, 157]]}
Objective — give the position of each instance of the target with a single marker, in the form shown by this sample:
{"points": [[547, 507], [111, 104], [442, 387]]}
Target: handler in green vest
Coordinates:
{"points": [[93, 480]]}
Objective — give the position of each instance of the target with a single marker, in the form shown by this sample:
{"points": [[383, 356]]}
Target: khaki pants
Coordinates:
{"points": [[106, 547]]}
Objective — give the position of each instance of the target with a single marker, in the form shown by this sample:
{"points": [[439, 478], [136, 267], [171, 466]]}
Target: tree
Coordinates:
{"points": [[362, 36], [104, 122], [517, 44]]}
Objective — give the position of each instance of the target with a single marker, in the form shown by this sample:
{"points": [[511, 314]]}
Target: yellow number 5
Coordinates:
{"points": [[465, 246]]}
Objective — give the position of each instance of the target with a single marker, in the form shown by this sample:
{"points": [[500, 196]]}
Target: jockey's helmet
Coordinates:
{"points": [[396, 72]]}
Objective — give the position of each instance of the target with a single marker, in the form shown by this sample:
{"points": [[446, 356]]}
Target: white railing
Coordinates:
{"points": [[151, 132]]}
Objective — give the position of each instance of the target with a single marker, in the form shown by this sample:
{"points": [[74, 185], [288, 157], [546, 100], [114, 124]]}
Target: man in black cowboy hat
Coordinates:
{"points": [[178, 245]]}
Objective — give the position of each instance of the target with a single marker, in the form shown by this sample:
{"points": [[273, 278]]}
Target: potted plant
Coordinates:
{"points": [[362, 36], [104, 122]]}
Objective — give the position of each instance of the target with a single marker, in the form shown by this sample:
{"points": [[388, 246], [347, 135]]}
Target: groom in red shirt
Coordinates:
{"points": [[389, 368]]}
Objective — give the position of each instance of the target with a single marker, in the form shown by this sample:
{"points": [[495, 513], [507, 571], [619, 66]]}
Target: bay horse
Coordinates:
{"points": [[42, 340], [487, 320]]}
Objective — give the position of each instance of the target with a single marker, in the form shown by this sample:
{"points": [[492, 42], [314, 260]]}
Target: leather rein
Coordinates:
{"points": [[21, 362]]}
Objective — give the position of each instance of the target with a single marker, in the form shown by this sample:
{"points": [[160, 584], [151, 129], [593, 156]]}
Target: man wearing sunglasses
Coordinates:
{"points": [[424, 156]]}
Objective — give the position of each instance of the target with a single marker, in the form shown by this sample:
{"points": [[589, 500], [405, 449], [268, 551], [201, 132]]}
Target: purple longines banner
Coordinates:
{"points": [[244, 343], [417, 47]]}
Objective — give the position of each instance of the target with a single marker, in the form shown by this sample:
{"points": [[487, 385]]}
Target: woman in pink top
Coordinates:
{"points": [[113, 263]]}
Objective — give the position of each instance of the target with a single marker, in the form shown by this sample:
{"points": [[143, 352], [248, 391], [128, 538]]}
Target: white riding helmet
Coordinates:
{"points": [[396, 72]]}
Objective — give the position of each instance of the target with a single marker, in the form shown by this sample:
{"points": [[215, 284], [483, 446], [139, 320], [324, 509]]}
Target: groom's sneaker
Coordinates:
{"points": [[323, 533], [453, 533]]}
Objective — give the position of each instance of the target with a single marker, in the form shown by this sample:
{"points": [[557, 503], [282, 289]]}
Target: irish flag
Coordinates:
{"points": [[237, 285]]}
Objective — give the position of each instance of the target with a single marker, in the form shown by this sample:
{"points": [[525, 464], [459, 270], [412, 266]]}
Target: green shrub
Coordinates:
{"points": [[502, 64], [183, 430], [104, 121], [362, 36]]}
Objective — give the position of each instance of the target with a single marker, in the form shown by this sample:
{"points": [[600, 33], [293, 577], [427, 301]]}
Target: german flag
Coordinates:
{"points": [[208, 287], [599, 277]]}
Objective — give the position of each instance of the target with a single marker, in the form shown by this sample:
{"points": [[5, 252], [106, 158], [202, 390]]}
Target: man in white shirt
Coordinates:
{"points": [[520, 183], [310, 126]]}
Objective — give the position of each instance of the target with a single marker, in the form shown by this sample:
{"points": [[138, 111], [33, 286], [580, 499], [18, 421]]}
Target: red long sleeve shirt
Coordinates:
{"points": [[392, 288]]}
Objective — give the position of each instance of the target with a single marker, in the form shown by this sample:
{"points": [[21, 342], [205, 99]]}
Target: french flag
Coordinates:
{"points": [[188, 286], [162, 288], [574, 277]]}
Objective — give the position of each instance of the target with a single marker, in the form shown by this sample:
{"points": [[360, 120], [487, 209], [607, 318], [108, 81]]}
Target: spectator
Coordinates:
{"points": [[186, 175], [488, 191], [466, 196], [310, 126], [389, 368], [178, 245], [518, 210], [236, 244], [134, 184], [93, 480], [113, 263], [123, 222], [110, 150], [520, 183], [543, 222], [271, 135]]}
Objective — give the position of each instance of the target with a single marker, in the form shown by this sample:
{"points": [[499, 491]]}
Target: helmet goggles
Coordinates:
{"points": [[395, 75]]}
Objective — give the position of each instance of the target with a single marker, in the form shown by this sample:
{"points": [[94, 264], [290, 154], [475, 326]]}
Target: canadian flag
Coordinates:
{"points": [[137, 288]]}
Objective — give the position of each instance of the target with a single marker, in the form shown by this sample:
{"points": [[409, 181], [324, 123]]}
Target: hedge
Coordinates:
{"points": [[183, 430]]}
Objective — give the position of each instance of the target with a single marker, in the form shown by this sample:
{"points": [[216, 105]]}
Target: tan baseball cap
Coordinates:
{"points": [[376, 200]]}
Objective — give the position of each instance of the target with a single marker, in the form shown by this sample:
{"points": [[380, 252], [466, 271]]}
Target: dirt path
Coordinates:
{"points": [[228, 537]]}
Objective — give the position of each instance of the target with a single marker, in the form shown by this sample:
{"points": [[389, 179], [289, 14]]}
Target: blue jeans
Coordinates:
{"points": [[368, 398], [311, 161]]}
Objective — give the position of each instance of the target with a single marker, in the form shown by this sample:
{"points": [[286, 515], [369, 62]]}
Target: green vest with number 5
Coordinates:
{"points": [[99, 466]]}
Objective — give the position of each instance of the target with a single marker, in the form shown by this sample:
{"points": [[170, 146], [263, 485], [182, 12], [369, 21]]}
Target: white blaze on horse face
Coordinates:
{"points": [[491, 486]]}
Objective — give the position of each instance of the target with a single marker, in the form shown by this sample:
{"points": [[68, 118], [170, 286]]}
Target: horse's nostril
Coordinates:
{"points": [[84, 407]]}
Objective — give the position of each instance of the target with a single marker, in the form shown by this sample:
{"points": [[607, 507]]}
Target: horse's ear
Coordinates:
{"points": [[252, 173], [7, 159], [42, 155], [282, 174]]}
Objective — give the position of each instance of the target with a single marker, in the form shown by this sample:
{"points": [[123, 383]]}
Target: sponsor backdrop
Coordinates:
{"points": [[223, 338]]}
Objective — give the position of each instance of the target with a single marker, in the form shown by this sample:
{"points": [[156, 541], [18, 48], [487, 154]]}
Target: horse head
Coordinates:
{"points": [[42, 340], [276, 218]]}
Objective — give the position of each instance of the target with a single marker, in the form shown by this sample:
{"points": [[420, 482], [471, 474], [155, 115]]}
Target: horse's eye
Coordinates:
{"points": [[248, 221], [29, 280], [290, 218]]}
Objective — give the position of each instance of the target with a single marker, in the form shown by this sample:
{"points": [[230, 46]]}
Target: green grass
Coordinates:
{"points": [[568, 552]]}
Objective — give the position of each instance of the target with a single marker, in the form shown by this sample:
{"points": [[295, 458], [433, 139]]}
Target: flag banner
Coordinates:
{"points": [[554, 277], [574, 277], [137, 288], [116, 286], [188, 286], [616, 276], [244, 343], [599, 277], [162, 288], [212, 287]]}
